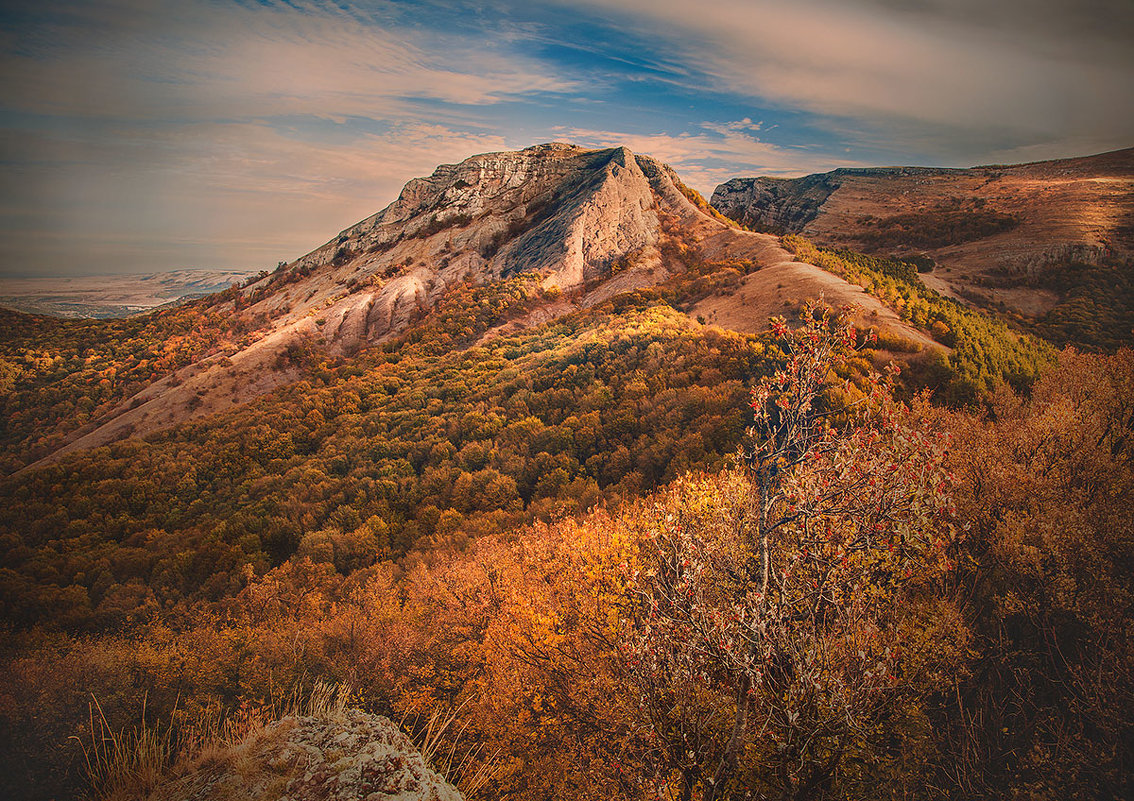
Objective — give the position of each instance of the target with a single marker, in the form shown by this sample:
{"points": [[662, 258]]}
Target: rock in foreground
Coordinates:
{"points": [[354, 755]]}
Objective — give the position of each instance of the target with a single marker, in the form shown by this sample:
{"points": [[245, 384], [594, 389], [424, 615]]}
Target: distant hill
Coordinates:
{"points": [[997, 234]]}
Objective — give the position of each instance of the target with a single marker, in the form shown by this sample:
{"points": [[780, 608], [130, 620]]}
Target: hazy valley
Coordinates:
{"points": [[112, 295]]}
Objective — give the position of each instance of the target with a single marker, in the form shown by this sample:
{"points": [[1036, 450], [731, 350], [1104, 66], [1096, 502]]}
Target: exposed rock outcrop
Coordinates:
{"points": [[561, 211], [590, 223], [775, 205], [558, 210], [352, 756]]}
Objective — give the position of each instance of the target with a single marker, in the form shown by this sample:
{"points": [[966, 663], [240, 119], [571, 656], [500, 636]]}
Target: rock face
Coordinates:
{"points": [[775, 205], [566, 213], [349, 757], [995, 232]]}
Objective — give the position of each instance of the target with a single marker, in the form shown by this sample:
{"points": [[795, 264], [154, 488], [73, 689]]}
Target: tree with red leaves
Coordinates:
{"points": [[767, 613]]}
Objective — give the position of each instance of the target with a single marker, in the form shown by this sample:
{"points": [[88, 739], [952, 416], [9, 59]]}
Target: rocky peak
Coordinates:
{"points": [[592, 223], [561, 211], [497, 204]]}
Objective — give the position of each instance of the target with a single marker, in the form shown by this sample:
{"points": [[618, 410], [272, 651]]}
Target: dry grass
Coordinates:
{"points": [[152, 761], [439, 741], [325, 701], [129, 762]]}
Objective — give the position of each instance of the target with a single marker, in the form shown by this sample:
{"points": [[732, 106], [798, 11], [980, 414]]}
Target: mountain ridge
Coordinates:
{"points": [[997, 233]]}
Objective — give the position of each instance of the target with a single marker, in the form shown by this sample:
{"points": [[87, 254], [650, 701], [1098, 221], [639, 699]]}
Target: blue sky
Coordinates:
{"points": [[146, 135]]}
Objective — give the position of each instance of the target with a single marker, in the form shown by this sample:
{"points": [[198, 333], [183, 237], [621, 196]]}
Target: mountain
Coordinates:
{"points": [[997, 234], [590, 223]]}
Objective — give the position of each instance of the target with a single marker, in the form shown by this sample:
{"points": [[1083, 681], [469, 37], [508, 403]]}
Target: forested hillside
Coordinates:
{"points": [[407, 448], [381, 539], [59, 375]]}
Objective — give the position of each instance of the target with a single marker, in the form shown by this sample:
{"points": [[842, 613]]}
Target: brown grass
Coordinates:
{"points": [[464, 768], [126, 763], [147, 761]]}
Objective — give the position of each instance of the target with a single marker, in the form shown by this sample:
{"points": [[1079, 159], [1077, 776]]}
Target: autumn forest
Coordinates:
{"points": [[633, 556]]}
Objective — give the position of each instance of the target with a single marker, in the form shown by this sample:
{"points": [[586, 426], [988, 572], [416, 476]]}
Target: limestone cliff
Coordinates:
{"points": [[775, 205]]}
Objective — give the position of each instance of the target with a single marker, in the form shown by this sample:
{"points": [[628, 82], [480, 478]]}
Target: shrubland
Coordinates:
{"points": [[431, 440], [1096, 305], [947, 224], [57, 375]]}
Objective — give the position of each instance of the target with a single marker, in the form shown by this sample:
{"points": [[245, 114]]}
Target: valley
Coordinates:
{"points": [[108, 296]]}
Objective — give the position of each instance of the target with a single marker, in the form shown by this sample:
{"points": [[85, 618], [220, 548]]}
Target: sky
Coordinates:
{"points": [[152, 135]]}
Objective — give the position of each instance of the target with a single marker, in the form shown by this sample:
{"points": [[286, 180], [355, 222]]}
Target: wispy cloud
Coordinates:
{"points": [[196, 59], [241, 194], [152, 134], [725, 128], [982, 74]]}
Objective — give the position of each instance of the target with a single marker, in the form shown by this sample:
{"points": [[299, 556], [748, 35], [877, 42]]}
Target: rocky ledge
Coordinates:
{"points": [[352, 755]]}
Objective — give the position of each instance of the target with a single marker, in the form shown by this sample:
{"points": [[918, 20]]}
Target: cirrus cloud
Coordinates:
{"points": [[198, 59], [140, 135]]}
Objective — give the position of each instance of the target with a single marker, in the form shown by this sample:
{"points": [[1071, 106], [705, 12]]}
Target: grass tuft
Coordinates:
{"points": [[129, 762], [439, 742], [133, 761]]}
